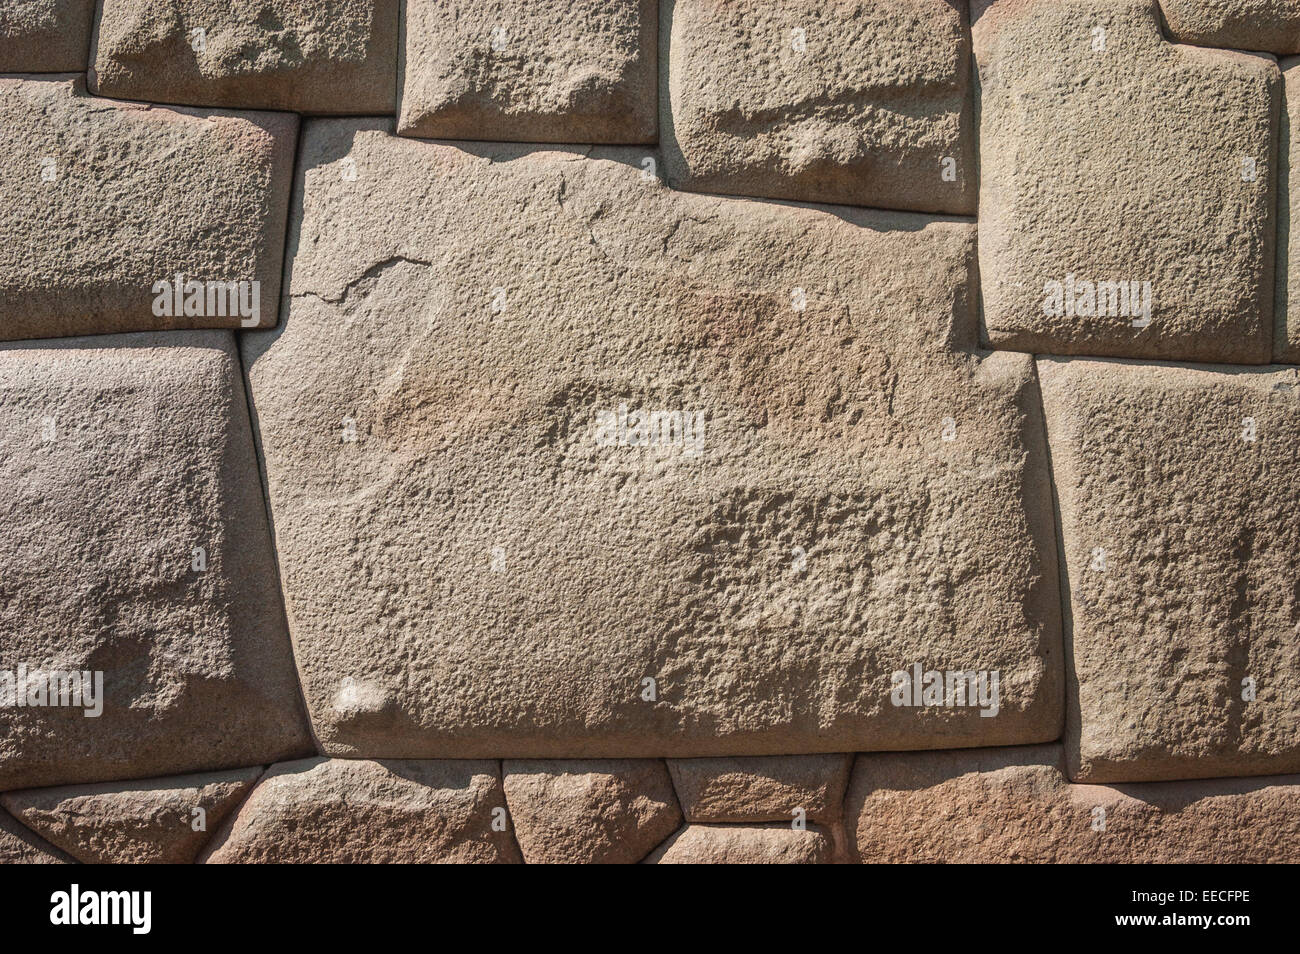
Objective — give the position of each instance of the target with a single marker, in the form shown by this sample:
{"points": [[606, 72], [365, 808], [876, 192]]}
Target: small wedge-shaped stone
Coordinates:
{"points": [[529, 70], [1269, 25], [153, 821], [45, 36], [566, 464], [745, 845], [999, 806], [598, 811], [134, 553], [761, 789], [851, 101], [338, 811], [19, 846], [104, 201], [310, 56], [1177, 489], [1108, 158]]}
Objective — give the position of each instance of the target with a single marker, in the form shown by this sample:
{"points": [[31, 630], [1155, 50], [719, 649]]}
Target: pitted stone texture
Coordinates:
{"points": [[477, 567], [105, 198], [146, 822], [599, 811], [120, 456], [1269, 25], [1109, 165], [529, 70], [1177, 489], [847, 101], [45, 36], [309, 56], [1286, 326], [19, 846], [336, 811], [995, 806], [761, 789], [745, 845]]}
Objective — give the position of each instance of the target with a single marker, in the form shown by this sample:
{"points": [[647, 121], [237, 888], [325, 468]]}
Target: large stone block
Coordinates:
{"points": [[1177, 489], [134, 545], [745, 845], [590, 811], [154, 821], [761, 789], [337, 811], [529, 70], [538, 430], [45, 36], [849, 101], [104, 200], [310, 56], [998, 806], [1126, 186], [1269, 25]]}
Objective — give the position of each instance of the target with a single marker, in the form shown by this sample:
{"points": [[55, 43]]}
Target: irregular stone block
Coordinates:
{"points": [[762, 789], [1177, 489], [336, 811], [18, 846], [538, 430], [309, 56], [45, 36], [1106, 156], [1286, 326], [155, 821], [745, 845], [106, 200], [848, 101], [995, 806], [144, 632], [529, 70], [1269, 25], [590, 811]]}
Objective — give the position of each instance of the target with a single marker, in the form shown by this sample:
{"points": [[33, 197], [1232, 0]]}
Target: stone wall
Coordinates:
{"points": [[621, 431]]}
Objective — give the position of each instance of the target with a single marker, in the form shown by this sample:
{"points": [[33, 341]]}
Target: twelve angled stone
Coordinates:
{"points": [[134, 550], [994, 806], [741, 845], [155, 821], [1107, 159], [45, 36], [1177, 490], [596, 811], [336, 811], [304, 55], [850, 101], [1269, 25], [563, 463], [529, 70], [766, 788], [18, 846], [105, 200]]}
